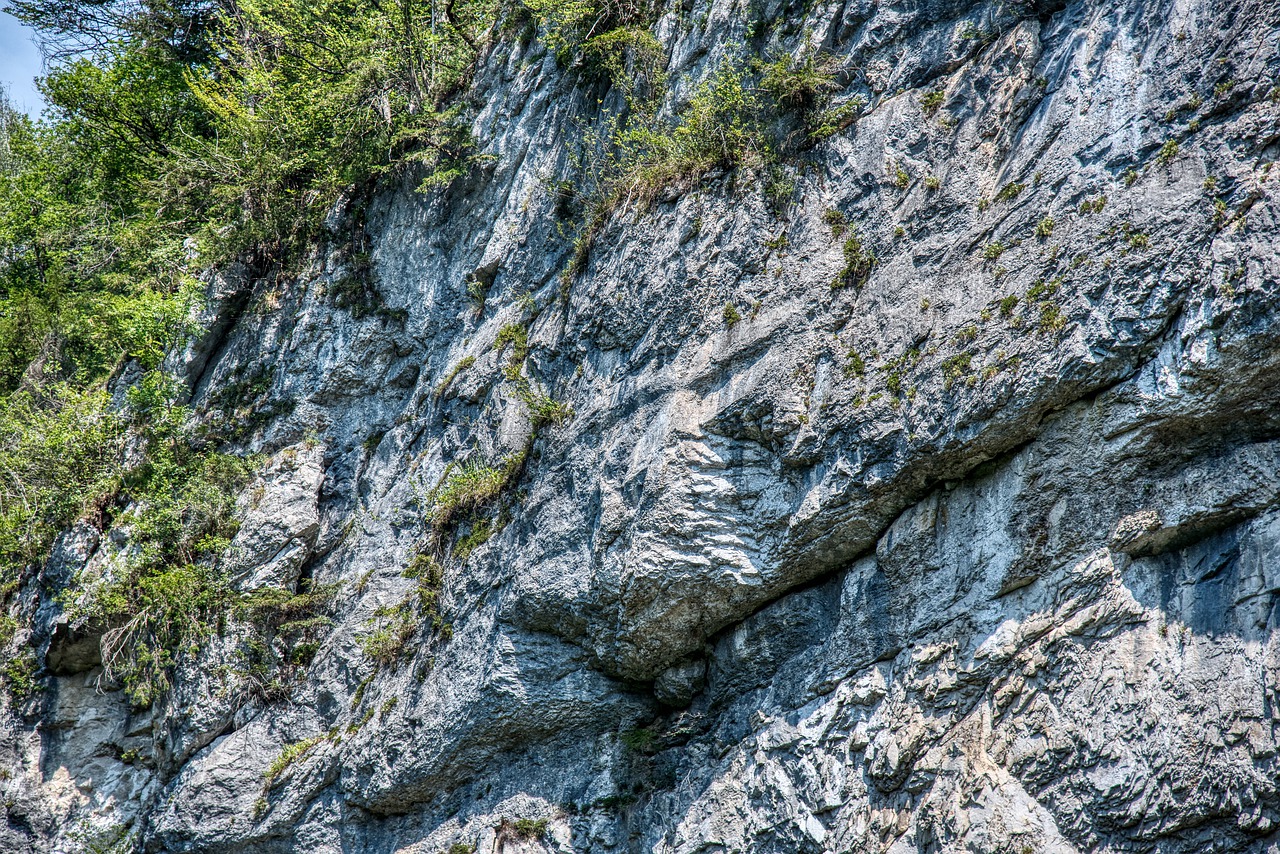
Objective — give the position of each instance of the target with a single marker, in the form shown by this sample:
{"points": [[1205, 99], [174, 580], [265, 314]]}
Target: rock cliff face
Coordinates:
{"points": [[981, 556]]}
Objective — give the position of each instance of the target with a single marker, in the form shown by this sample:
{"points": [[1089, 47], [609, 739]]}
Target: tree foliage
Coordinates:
{"points": [[180, 133]]}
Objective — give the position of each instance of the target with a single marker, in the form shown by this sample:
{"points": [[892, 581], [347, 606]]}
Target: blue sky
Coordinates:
{"points": [[19, 63]]}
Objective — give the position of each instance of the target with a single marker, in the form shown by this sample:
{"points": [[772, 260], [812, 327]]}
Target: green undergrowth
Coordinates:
{"points": [[288, 756], [609, 37], [471, 489], [181, 136], [174, 501], [748, 116], [281, 631], [389, 634], [858, 263]]}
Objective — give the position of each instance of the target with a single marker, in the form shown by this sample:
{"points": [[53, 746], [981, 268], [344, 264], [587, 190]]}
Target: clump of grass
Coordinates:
{"points": [[463, 363], [955, 367], [289, 755], [1051, 317], [858, 263], [1167, 152], [731, 315], [528, 828], [517, 336], [931, 102], [1044, 228], [481, 531], [543, 409], [836, 221], [476, 486], [854, 365], [393, 626], [1093, 206], [992, 251], [1042, 287], [1010, 191]]}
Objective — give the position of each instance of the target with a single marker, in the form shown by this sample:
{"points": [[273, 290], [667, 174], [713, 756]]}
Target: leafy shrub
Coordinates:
{"points": [[632, 58], [312, 97], [59, 452], [572, 25], [803, 86], [801, 83], [171, 590], [19, 672], [283, 631]]}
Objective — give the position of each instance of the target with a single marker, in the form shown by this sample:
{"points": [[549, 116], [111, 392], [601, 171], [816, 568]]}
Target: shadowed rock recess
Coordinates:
{"points": [[981, 555]]}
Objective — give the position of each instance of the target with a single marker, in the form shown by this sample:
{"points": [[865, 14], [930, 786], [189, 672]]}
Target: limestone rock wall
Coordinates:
{"points": [[1004, 582]]}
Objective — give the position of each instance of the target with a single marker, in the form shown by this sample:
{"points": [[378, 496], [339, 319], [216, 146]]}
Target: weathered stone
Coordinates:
{"points": [[1007, 581]]}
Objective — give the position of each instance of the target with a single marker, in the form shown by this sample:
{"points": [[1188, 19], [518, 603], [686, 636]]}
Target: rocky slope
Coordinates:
{"points": [[981, 556]]}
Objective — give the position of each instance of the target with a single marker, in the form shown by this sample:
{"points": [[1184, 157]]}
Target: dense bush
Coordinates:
{"points": [[58, 453]]}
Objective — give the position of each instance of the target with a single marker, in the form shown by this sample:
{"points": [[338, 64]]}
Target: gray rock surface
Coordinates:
{"points": [[1007, 582]]}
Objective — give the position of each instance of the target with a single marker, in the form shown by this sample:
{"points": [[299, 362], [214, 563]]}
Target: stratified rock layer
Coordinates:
{"points": [[1003, 581]]}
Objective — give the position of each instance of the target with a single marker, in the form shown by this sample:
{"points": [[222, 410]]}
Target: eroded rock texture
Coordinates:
{"points": [[1004, 581]]}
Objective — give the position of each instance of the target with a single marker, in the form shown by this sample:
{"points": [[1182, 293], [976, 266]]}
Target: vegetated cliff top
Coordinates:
{"points": [[607, 426]]}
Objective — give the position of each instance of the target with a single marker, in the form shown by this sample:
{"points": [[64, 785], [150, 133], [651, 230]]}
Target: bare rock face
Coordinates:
{"points": [[981, 556], [281, 519]]}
